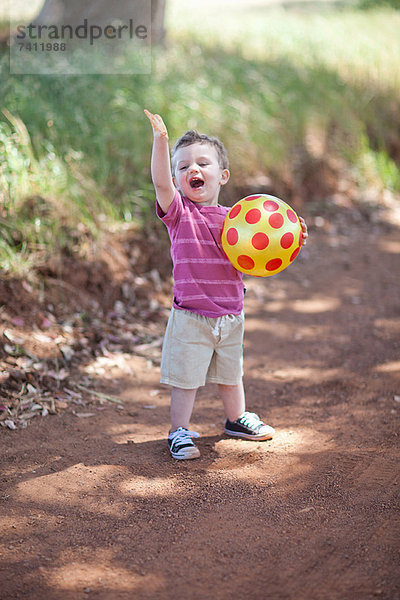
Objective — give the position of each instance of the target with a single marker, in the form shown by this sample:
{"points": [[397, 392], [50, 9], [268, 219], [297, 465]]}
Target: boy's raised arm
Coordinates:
{"points": [[160, 162]]}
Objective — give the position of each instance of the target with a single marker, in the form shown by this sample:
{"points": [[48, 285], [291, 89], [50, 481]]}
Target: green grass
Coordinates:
{"points": [[44, 207], [272, 83]]}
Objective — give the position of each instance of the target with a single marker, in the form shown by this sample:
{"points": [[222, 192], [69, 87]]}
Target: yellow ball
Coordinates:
{"points": [[261, 235]]}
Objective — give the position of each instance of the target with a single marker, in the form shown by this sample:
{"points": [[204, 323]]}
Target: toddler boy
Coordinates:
{"points": [[204, 336]]}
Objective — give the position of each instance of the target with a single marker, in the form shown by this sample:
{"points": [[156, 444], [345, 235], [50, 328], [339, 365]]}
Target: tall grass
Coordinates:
{"points": [[269, 83], [44, 207]]}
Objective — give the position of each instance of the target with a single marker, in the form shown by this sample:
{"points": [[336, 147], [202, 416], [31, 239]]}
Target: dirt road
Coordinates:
{"points": [[94, 507]]}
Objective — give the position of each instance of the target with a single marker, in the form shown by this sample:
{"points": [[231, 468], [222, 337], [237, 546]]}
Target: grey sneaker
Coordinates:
{"points": [[181, 444], [249, 427]]}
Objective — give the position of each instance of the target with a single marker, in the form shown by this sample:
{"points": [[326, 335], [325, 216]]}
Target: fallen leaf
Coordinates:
{"points": [[11, 337], [38, 366], [40, 337], [18, 322], [4, 375], [52, 407], [60, 404], [28, 415], [58, 375], [153, 344], [83, 415], [67, 351], [46, 323], [71, 393]]}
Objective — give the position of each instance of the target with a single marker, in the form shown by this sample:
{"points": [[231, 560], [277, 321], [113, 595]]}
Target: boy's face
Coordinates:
{"points": [[198, 175]]}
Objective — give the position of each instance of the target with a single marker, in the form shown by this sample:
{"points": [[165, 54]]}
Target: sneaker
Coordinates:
{"points": [[181, 444], [249, 427]]}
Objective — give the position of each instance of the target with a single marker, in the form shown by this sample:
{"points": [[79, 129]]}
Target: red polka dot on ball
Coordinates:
{"points": [[232, 236], [287, 240], [273, 264], [253, 216], [235, 211], [270, 205], [276, 220], [260, 240], [250, 198], [246, 262], [295, 253]]}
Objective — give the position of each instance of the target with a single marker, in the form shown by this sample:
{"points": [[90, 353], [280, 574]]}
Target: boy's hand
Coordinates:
{"points": [[304, 231], [159, 128]]}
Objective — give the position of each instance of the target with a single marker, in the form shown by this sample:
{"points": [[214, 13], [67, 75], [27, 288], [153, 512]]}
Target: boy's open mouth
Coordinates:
{"points": [[196, 183]]}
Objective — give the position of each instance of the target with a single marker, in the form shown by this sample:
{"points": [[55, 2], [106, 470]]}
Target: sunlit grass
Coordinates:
{"points": [[273, 83], [353, 43], [43, 207]]}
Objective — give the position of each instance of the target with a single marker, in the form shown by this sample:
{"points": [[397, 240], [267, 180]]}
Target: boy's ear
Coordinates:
{"points": [[225, 174]]}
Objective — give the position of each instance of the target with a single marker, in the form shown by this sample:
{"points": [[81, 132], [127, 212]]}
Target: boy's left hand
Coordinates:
{"points": [[304, 231]]}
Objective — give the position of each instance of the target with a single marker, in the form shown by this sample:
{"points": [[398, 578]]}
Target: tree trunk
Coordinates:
{"points": [[102, 13]]}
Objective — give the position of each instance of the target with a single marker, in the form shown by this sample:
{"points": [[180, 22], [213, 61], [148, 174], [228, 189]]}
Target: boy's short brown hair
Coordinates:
{"points": [[194, 137]]}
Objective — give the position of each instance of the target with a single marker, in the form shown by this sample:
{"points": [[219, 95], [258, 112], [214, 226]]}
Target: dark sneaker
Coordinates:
{"points": [[181, 444], [249, 427]]}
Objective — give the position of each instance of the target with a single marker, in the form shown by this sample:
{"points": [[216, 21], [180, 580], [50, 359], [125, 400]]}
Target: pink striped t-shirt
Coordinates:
{"points": [[205, 282]]}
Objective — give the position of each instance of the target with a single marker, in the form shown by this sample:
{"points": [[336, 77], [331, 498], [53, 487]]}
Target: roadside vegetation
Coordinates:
{"points": [[293, 94]]}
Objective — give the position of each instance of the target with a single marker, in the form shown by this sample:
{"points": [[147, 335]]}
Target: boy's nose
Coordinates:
{"points": [[193, 168]]}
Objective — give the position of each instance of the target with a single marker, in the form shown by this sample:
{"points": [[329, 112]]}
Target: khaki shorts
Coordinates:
{"points": [[199, 350]]}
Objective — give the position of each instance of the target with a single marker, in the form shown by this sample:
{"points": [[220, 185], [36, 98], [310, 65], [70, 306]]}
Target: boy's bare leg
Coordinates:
{"points": [[233, 399], [182, 402]]}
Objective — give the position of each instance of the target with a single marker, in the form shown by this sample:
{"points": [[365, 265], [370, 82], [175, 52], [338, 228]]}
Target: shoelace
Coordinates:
{"points": [[250, 419], [181, 435]]}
